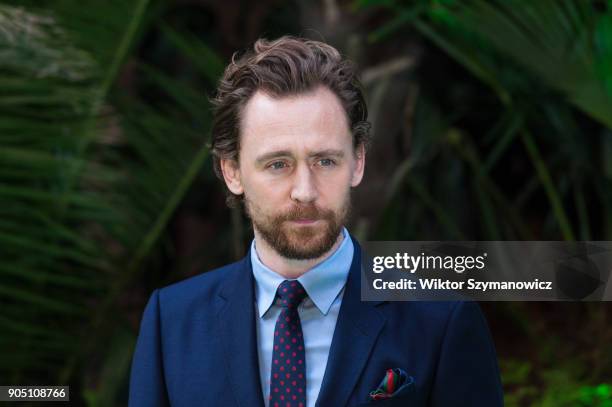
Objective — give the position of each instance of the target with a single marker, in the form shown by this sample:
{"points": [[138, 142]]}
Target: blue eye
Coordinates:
{"points": [[327, 162], [277, 165]]}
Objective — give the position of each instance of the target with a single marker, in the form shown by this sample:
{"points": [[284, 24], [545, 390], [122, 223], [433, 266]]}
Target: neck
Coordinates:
{"points": [[289, 268]]}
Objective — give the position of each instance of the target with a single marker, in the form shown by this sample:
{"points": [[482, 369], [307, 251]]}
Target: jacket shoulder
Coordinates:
{"points": [[200, 290]]}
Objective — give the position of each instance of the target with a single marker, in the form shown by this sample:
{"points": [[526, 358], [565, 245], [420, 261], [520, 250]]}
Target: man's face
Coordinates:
{"points": [[296, 166]]}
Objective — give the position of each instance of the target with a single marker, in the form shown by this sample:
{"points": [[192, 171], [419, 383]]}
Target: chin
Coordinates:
{"points": [[302, 234], [310, 243]]}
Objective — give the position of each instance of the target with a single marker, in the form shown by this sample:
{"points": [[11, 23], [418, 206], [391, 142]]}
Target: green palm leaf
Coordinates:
{"points": [[90, 175]]}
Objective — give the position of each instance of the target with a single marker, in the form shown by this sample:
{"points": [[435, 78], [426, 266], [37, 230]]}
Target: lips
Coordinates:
{"points": [[304, 221]]}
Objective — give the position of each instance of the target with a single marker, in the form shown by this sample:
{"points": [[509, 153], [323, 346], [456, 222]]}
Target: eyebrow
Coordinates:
{"points": [[329, 152], [286, 153], [272, 154]]}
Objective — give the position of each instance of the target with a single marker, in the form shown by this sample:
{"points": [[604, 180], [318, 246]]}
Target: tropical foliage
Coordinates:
{"points": [[90, 176], [492, 121]]}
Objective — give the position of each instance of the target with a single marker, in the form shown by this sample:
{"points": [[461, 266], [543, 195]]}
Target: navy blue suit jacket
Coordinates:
{"points": [[197, 347]]}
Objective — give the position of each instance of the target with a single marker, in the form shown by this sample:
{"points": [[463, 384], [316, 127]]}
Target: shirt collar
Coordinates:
{"points": [[322, 283]]}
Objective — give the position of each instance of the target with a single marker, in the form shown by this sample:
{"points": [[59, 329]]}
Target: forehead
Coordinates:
{"points": [[309, 121]]}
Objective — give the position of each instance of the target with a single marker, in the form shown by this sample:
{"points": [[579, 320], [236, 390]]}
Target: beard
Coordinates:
{"points": [[299, 242]]}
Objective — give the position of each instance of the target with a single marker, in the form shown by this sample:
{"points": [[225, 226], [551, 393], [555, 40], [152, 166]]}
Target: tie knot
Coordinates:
{"points": [[290, 293]]}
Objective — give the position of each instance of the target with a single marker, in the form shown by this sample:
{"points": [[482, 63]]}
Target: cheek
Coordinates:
{"points": [[341, 180], [335, 190], [263, 190]]}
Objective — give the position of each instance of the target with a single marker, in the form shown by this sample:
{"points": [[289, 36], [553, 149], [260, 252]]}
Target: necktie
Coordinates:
{"points": [[288, 375]]}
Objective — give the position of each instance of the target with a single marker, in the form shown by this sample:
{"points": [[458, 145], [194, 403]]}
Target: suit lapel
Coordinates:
{"points": [[357, 328], [236, 324]]}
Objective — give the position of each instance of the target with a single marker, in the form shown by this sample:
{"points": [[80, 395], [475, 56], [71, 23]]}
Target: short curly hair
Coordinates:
{"points": [[287, 66]]}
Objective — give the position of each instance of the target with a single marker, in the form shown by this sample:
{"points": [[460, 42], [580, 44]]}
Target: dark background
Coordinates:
{"points": [[491, 119]]}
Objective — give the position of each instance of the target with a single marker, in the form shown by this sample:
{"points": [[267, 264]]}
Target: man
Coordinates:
{"points": [[285, 326]]}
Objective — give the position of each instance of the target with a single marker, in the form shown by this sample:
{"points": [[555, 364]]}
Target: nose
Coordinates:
{"points": [[304, 189]]}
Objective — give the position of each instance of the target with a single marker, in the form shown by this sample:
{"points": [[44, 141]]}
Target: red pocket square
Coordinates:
{"points": [[395, 382]]}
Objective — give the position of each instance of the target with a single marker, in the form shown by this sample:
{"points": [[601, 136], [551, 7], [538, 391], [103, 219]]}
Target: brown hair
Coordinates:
{"points": [[283, 67]]}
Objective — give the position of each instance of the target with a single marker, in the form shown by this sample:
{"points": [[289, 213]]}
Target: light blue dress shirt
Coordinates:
{"points": [[324, 285]]}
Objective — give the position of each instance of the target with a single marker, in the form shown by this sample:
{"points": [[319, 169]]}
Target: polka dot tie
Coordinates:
{"points": [[288, 376]]}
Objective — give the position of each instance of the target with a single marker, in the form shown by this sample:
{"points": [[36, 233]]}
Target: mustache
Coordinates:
{"points": [[306, 212]]}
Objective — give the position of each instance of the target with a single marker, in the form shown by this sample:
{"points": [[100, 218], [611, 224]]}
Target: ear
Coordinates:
{"points": [[231, 175], [359, 165]]}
